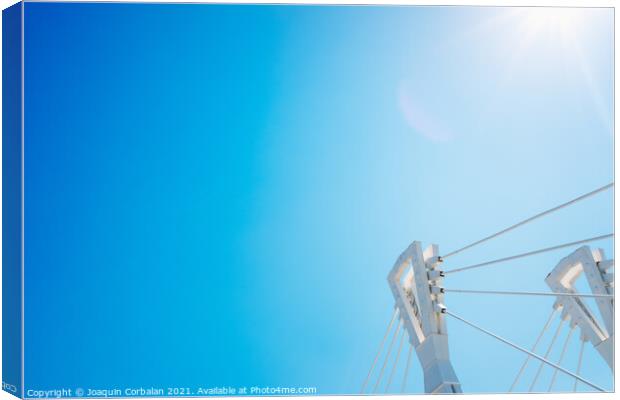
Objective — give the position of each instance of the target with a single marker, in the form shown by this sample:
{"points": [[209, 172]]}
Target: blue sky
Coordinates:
{"points": [[222, 190]]}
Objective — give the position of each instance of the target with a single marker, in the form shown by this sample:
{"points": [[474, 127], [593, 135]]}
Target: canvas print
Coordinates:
{"points": [[301, 200]]}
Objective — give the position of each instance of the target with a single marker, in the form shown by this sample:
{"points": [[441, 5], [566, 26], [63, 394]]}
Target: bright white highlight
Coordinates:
{"points": [[552, 20]]}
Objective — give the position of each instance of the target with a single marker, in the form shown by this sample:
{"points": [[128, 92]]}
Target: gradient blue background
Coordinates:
{"points": [[12, 200], [215, 194]]}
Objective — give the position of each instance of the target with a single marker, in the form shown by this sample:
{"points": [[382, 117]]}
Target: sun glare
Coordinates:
{"points": [[552, 21]]}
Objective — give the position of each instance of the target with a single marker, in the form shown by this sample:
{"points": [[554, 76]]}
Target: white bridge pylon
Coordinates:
{"points": [[593, 265], [416, 284], [414, 281]]}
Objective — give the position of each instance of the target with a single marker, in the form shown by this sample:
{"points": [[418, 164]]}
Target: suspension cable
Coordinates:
{"points": [[372, 367], [555, 373], [526, 293], [533, 349], [387, 356], [583, 342], [400, 347], [525, 221], [555, 336], [445, 311], [403, 386], [530, 253]]}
